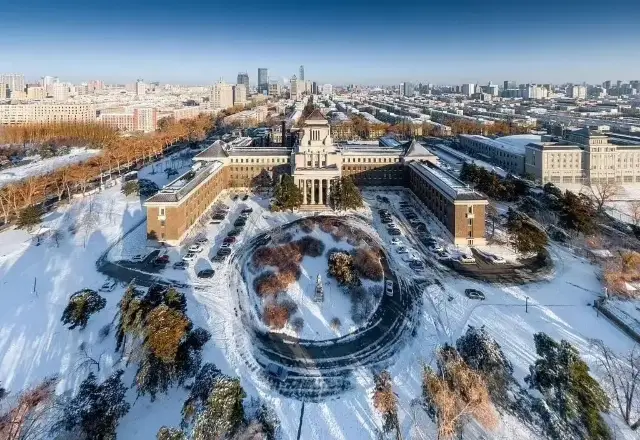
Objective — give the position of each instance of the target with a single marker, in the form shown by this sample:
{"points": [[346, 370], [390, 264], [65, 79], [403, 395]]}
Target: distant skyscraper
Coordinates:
{"points": [[468, 89], [301, 73], [243, 78], [510, 85], [222, 95], [141, 88], [314, 88], [239, 94], [14, 81], [407, 89], [263, 80]]}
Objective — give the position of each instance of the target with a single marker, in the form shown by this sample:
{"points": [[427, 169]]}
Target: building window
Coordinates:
{"points": [[470, 209], [161, 211]]}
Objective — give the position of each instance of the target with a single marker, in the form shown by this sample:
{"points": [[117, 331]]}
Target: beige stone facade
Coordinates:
{"points": [[316, 163]]}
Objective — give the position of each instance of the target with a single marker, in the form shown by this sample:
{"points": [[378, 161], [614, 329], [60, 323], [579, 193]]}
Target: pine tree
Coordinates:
{"points": [[30, 217], [95, 411], [224, 412], [524, 235], [200, 390], [287, 195], [81, 306], [350, 194], [166, 433], [386, 402], [483, 354], [131, 187]]}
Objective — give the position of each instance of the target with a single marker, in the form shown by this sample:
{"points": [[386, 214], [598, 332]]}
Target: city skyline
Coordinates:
{"points": [[443, 44]]}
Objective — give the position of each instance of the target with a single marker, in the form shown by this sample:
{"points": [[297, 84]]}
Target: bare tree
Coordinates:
{"points": [[622, 378], [30, 415], [457, 393], [603, 192], [386, 402]]}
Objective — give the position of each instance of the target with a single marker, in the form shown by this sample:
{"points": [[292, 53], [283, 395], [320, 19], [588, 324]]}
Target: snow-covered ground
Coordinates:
{"points": [[43, 166], [317, 316], [36, 281]]}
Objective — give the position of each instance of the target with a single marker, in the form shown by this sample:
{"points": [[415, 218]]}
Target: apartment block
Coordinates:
{"points": [[222, 95], [46, 113]]}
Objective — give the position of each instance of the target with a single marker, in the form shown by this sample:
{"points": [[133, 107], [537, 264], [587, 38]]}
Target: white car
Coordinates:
{"points": [[396, 241], [388, 287], [189, 257], [402, 250], [202, 240], [392, 226], [225, 245], [194, 248], [466, 259], [108, 286], [496, 259], [436, 248]]}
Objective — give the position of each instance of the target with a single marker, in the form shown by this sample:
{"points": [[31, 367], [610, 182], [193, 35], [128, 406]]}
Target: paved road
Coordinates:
{"points": [[316, 369]]}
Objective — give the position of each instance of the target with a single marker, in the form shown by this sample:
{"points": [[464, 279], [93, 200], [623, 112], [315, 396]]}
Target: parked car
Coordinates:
{"points": [[436, 248], [430, 241], [385, 199], [394, 232], [247, 210], [189, 257], [108, 286], [396, 241], [229, 240], [383, 212], [277, 371], [443, 255], [205, 273], [215, 221], [218, 258], [388, 287], [245, 197], [474, 294], [416, 265], [466, 259], [244, 215], [171, 172], [180, 265], [234, 232], [138, 258], [392, 226], [202, 240], [402, 250], [224, 251], [225, 245], [235, 197], [496, 259], [195, 248], [239, 222], [386, 219]]}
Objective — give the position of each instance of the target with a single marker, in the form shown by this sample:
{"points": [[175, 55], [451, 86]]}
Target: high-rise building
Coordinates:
{"points": [[145, 119], [606, 85], [243, 78], [4, 91], [239, 94], [296, 87], [314, 88], [59, 91], [14, 81], [577, 92], [327, 89], [407, 89], [35, 92], [510, 85], [301, 73], [468, 89], [263, 80], [222, 95], [275, 89], [141, 88]]}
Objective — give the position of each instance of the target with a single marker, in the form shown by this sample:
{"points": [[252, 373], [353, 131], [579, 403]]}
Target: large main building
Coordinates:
{"points": [[316, 162]]}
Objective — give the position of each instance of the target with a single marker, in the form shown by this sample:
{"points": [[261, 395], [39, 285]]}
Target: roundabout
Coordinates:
{"points": [[317, 369]]}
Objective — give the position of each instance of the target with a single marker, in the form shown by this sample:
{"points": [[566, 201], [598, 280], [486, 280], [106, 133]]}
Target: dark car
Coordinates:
{"points": [[385, 200], [206, 273], [386, 219], [474, 294], [229, 240], [180, 265], [383, 211], [429, 241], [247, 210], [224, 251], [420, 226], [234, 232], [394, 231], [239, 222], [245, 197], [219, 257], [172, 172]]}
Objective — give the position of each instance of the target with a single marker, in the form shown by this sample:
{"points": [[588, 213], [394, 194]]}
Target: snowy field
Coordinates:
{"points": [[43, 166], [36, 282]]}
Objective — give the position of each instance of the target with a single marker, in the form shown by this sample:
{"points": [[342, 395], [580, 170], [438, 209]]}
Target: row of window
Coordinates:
{"points": [[371, 159], [261, 160]]}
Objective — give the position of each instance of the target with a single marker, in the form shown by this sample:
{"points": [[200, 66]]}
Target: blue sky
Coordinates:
{"points": [[341, 42]]}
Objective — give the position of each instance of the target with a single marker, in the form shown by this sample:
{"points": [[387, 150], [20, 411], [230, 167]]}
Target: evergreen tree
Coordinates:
{"points": [[200, 390], [81, 306], [262, 182], [578, 213], [131, 187], [224, 412], [483, 354], [523, 234], [30, 217], [287, 195], [348, 196], [95, 411], [170, 434], [563, 378]]}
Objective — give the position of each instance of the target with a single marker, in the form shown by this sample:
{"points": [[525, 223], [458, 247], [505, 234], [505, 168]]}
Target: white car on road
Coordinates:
{"points": [[189, 257], [194, 248], [396, 241], [402, 250]]}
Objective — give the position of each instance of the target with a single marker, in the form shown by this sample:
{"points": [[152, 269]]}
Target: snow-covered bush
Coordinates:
{"points": [[336, 323], [307, 225], [341, 268]]}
